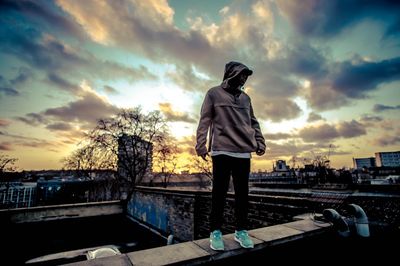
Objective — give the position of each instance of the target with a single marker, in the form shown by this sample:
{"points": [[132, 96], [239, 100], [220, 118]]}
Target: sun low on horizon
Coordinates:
{"points": [[326, 75]]}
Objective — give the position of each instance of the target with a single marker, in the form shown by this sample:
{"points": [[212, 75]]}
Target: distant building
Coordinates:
{"points": [[62, 190], [387, 158], [17, 195], [360, 163], [280, 166]]}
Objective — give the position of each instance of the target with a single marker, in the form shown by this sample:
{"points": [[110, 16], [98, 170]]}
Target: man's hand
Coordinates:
{"points": [[260, 152], [204, 156]]}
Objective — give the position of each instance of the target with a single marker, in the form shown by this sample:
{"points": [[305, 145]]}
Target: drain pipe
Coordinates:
{"points": [[338, 221], [360, 220], [170, 240]]}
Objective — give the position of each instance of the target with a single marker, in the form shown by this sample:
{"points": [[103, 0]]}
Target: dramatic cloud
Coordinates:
{"points": [[59, 127], [133, 50], [354, 79], [277, 136], [42, 14], [4, 146], [275, 110], [371, 119], [328, 18], [33, 119], [86, 111], [312, 117], [4, 122], [45, 52], [327, 132], [9, 91], [382, 107], [350, 129], [174, 116], [110, 90], [387, 140]]}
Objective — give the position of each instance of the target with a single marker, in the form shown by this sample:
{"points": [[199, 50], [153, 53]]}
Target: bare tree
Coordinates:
{"points": [[127, 141], [202, 168], [7, 164], [166, 160], [88, 159]]}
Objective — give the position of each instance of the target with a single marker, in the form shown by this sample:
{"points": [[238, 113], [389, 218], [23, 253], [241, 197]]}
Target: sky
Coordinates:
{"points": [[326, 76]]}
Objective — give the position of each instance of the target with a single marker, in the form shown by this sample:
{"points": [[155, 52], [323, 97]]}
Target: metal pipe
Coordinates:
{"points": [[360, 220], [338, 221]]}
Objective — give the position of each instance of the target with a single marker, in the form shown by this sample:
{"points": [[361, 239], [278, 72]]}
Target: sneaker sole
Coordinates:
{"points": [[240, 242], [216, 249]]}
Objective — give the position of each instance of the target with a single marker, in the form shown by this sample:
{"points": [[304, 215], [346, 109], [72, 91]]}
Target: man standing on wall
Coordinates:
{"points": [[227, 117]]}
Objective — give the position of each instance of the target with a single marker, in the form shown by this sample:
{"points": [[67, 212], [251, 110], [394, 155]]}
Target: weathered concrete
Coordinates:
{"points": [[47, 213], [118, 260], [183, 252], [199, 251]]}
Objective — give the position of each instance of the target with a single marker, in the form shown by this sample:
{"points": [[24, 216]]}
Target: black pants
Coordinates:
{"points": [[223, 167]]}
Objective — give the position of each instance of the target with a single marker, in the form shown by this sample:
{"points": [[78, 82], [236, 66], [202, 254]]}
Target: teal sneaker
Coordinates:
{"points": [[216, 241], [243, 238]]}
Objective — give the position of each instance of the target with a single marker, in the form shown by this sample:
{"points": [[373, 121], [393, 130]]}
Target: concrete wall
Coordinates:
{"points": [[56, 212], [168, 212], [185, 214]]}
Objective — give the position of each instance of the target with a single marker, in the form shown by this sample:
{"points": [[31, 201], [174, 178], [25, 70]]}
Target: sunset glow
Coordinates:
{"points": [[324, 81]]}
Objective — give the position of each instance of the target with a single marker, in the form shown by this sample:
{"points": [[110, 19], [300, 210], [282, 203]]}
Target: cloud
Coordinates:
{"points": [[174, 116], [324, 132], [382, 107], [59, 127], [348, 80], [327, 132], [186, 78], [306, 61], [24, 75], [43, 14], [277, 136], [9, 91], [85, 112], [4, 122], [350, 129], [387, 140], [5, 146], [354, 79], [312, 117], [275, 110], [187, 144], [110, 90], [61, 61], [62, 83], [320, 18], [33, 119], [25, 141], [292, 148], [371, 119]]}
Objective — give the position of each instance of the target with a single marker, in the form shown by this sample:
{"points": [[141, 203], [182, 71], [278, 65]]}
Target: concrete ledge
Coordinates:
{"points": [[199, 251], [65, 211]]}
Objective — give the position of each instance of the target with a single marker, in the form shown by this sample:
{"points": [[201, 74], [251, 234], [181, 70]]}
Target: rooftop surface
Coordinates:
{"points": [[199, 252]]}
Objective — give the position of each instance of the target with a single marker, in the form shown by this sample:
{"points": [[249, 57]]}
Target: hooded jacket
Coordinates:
{"points": [[227, 115]]}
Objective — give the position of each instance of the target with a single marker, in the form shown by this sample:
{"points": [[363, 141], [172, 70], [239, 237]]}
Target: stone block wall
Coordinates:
{"points": [[185, 214], [167, 212]]}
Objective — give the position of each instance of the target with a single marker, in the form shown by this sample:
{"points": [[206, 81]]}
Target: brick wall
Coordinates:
{"points": [[166, 211], [185, 214]]}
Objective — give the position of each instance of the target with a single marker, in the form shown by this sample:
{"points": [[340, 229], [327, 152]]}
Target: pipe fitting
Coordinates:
{"points": [[360, 220], [338, 221]]}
